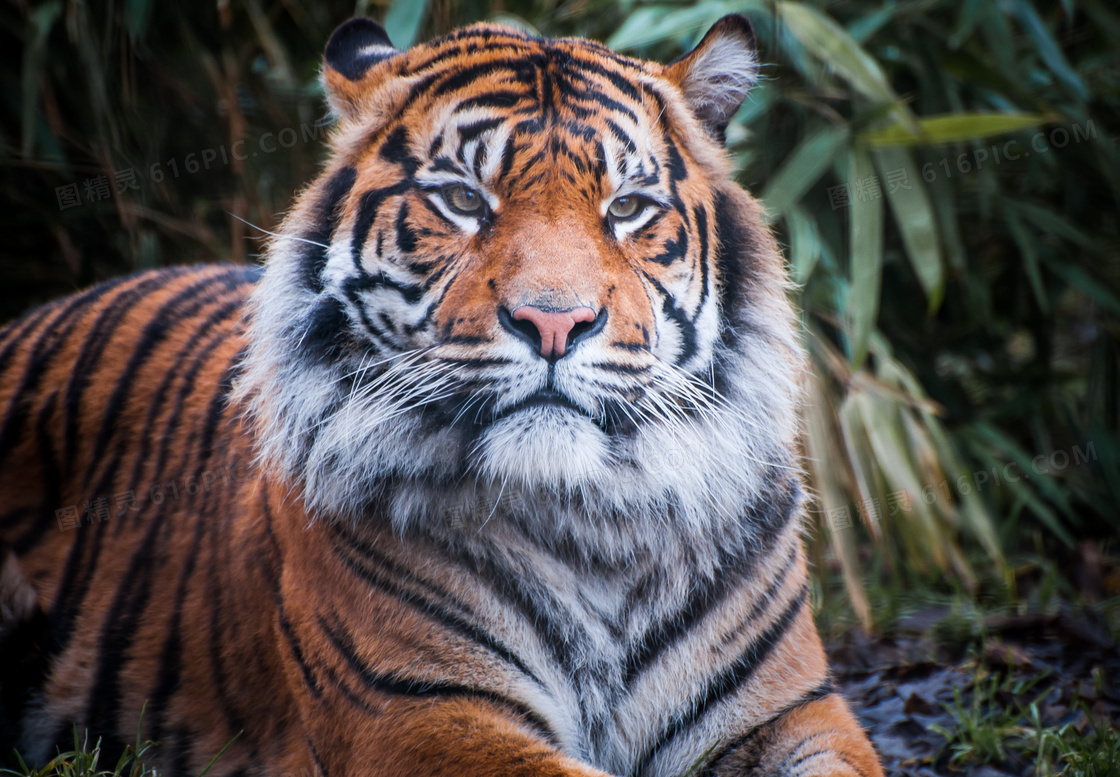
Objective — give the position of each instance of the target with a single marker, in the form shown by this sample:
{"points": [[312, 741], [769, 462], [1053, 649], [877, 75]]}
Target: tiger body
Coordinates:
{"points": [[492, 471]]}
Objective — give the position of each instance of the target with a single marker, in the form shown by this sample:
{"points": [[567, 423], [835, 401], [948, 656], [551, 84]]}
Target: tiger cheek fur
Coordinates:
{"points": [[491, 471]]}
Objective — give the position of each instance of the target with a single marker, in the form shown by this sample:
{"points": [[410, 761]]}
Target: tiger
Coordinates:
{"points": [[490, 468]]}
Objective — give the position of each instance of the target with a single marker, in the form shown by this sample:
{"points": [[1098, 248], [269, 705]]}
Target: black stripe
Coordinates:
{"points": [[189, 369], [428, 606], [81, 562], [272, 571], [468, 132], [734, 255], [674, 249], [727, 682], [297, 650], [220, 634], [327, 213], [421, 688], [764, 600], [46, 345], [395, 149], [620, 369], [445, 164], [95, 340], [366, 282], [51, 486], [700, 216], [170, 664], [163, 323], [327, 332], [703, 599], [368, 206], [406, 235], [13, 334], [600, 100], [564, 639], [179, 745], [522, 70], [315, 757], [621, 136], [499, 98], [134, 591], [678, 171], [675, 313], [747, 744], [622, 83]]}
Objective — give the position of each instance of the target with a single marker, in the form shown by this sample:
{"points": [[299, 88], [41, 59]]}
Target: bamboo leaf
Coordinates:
{"points": [[866, 229], [972, 11], [1079, 277], [41, 22], [804, 166], [914, 214], [138, 14], [824, 462], [1049, 221], [866, 26], [804, 243], [640, 29], [403, 20], [654, 24], [833, 45], [952, 128], [1029, 251], [1048, 48]]}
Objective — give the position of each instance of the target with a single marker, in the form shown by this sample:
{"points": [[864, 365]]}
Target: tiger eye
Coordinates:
{"points": [[624, 207], [463, 199]]}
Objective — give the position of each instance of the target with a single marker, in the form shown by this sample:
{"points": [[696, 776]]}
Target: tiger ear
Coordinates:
{"points": [[716, 75], [353, 49]]}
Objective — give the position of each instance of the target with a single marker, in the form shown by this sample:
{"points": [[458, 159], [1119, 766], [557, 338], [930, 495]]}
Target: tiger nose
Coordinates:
{"points": [[553, 331]]}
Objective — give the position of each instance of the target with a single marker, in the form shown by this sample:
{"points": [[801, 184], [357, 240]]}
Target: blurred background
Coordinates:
{"points": [[943, 176]]}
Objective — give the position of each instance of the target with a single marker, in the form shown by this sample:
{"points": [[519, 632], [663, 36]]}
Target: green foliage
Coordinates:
{"points": [[988, 730], [962, 304], [85, 761]]}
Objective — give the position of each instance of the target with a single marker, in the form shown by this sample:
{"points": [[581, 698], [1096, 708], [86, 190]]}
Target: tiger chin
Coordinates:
{"points": [[491, 470]]}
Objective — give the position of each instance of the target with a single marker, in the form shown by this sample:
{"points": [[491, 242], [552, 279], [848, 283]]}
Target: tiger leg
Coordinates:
{"points": [[814, 739], [441, 737]]}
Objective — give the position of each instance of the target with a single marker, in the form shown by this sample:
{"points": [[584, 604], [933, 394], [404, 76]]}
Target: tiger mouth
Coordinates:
{"points": [[543, 398]]}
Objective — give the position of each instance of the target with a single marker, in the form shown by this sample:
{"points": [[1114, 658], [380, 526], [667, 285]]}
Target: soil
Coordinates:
{"points": [[902, 686]]}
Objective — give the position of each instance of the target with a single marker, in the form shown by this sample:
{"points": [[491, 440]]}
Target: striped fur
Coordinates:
{"points": [[347, 509]]}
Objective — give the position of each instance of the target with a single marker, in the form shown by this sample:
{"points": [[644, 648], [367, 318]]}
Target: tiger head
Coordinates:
{"points": [[526, 283]]}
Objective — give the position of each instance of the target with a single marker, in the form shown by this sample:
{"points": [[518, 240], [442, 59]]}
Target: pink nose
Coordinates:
{"points": [[554, 327]]}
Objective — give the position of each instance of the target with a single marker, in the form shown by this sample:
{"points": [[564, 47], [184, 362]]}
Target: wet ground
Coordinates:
{"points": [[988, 697]]}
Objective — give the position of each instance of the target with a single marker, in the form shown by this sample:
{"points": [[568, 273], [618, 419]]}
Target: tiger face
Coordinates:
{"points": [[527, 284]]}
